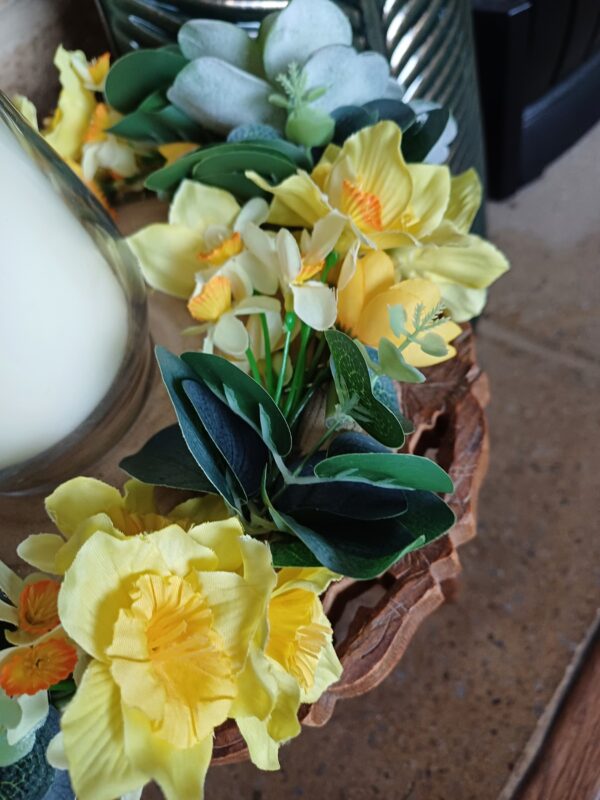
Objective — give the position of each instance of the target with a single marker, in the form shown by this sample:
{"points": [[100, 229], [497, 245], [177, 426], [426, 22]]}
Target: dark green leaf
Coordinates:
{"points": [[160, 126], [241, 447], [424, 134], [359, 501], [400, 113], [354, 442], [349, 120], [235, 182], [353, 385], [244, 396], [289, 551], [427, 517], [166, 461], [387, 469], [136, 75], [174, 371], [395, 366]]}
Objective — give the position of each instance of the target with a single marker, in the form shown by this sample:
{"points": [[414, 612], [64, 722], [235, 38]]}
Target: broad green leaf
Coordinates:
{"points": [[400, 113], [237, 158], [165, 460], [387, 469], [354, 442], [244, 396], [395, 366], [137, 74], [427, 517], [289, 551], [235, 182], [159, 126], [353, 385], [241, 447], [421, 137], [174, 371], [351, 78], [214, 37], [349, 120]]}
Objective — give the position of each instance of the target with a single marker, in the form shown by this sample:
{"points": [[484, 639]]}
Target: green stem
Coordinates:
{"points": [[330, 263], [253, 366], [290, 319], [268, 357], [298, 378]]}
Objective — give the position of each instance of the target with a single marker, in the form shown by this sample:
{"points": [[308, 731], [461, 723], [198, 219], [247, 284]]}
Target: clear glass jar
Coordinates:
{"points": [[75, 355]]}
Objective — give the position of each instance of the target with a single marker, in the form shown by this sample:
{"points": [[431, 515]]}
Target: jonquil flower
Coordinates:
{"points": [[81, 506], [20, 717], [297, 665], [203, 232], [417, 210], [168, 619], [366, 297]]}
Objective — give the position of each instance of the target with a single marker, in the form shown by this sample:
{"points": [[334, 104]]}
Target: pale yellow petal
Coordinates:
{"points": [[40, 550], [77, 499], [326, 233], [93, 732], [180, 553], [462, 302], [299, 199], [75, 107], [167, 255], [8, 613], [210, 508], [196, 206], [257, 687], [262, 748], [430, 196], [138, 497], [315, 579], [256, 210], [315, 304], [230, 336], [329, 671], [224, 539], [468, 260], [66, 554], [10, 583], [465, 199]]}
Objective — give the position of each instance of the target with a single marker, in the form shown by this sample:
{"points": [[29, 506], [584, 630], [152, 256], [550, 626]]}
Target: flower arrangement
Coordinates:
{"points": [[323, 256]]}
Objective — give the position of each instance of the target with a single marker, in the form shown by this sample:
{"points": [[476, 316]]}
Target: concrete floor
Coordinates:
{"points": [[451, 721]]}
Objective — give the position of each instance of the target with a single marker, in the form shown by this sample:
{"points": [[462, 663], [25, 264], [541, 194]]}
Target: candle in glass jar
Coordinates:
{"points": [[63, 313]]}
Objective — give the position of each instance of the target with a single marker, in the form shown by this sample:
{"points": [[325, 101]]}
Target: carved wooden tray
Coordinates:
{"points": [[375, 620]]}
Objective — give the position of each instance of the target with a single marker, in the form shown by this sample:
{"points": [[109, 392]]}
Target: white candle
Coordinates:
{"points": [[63, 314]]}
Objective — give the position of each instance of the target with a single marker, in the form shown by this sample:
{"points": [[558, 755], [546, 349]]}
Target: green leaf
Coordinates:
{"points": [[427, 517], [160, 125], [433, 345], [241, 447], [395, 366], [244, 396], [174, 371], [353, 385], [349, 120], [142, 72], [165, 460], [397, 316], [387, 469], [395, 110], [422, 136], [289, 551]]}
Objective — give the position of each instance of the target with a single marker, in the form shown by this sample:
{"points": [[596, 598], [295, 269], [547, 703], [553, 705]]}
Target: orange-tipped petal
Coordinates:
{"points": [[213, 301], [99, 68], [38, 610], [230, 247], [32, 669], [99, 121]]}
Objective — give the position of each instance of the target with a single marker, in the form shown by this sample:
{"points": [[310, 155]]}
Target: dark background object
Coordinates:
{"points": [[539, 72]]}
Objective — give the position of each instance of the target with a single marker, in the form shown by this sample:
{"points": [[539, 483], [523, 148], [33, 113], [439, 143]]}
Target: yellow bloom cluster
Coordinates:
{"points": [[399, 231], [180, 622]]}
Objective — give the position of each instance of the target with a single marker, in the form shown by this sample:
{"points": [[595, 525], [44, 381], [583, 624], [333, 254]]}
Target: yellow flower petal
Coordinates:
{"points": [[300, 201], [10, 583], [196, 206], [168, 257], [77, 499], [40, 550], [139, 497], [212, 301], [465, 199], [175, 150], [92, 727], [430, 196], [374, 274], [315, 304]]}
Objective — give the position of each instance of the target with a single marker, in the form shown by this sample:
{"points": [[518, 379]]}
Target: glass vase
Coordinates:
{"points": [[75, 356]]}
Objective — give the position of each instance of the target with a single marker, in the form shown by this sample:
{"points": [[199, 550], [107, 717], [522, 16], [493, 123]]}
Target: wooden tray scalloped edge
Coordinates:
{"points": [[374, 621]]}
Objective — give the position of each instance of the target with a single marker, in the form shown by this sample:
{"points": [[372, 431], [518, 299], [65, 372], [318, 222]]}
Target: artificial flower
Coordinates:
{"points": [[20, 717], [203, 232], [173, 151], [366, 297], [168, 620], [220, 299], [104, 151], [295, 661], [298, 266], [32, 606], [81, 506], [34, 667], [418, 211], [76, 103]]}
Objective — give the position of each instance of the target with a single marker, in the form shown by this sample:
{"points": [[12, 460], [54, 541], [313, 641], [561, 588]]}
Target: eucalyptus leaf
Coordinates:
{"points": [[244, 396], [398, 319], [360, 501], [159, 126], [241, 447], [424, 134], [349, 120], [214, 37], [387, 469], [353, 385], [331, 67], [142, 72], [400, 113], [165, 460], [174, 371], [433, 345], [394, 364]]}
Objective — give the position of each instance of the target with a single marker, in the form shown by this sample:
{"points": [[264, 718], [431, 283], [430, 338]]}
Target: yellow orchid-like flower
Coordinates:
{"points": [[76, 103], [221, 298], [369, 288], [81, 506], [296, 267], [168, 620], [203, 232], [103, 151], [294, 661], [417, 210]]}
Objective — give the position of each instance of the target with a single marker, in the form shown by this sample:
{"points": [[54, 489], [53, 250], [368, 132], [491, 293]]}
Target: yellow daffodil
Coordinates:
{"points": [[168, 620], [294, 661], [417, 210], [367, 295], [103, 151], [220, 299], [76, 103], [296, 267], [82, 506], [203, 232]]}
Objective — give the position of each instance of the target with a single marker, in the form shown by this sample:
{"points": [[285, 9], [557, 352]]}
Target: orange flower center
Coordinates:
{"points": [[38, 611], [213, 301], [99, 68], [30, 669], [98, 123], [228, 248], [308, 271], [364, 207]]}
